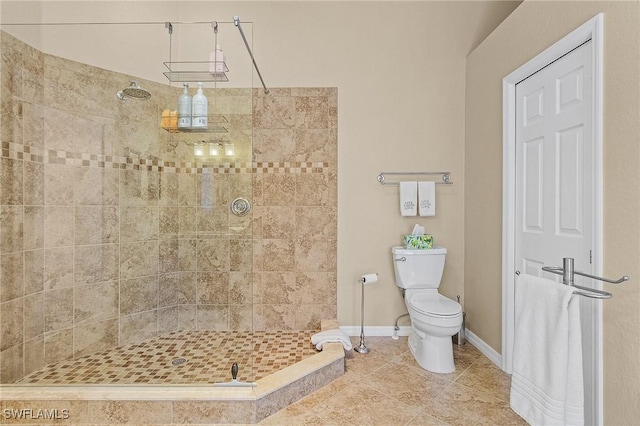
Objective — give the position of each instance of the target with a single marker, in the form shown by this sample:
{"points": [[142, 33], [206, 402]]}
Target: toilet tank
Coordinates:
{"points": [[418, 268]]}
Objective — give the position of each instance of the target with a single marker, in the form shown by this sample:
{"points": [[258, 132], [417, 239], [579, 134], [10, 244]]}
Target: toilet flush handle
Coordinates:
{"points": [[400, 259]]}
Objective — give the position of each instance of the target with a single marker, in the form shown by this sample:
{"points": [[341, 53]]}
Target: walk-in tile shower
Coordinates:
{"points": [[114, 234]]}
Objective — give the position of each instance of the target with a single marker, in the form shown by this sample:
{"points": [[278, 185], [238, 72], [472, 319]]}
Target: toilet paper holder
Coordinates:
{"points": [[364, 280]]}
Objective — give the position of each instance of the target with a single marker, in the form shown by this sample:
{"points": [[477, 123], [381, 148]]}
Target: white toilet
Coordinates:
{"points": [[434, 317]]}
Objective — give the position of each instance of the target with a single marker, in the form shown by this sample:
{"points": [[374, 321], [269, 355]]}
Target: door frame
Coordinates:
{"points": [[590, 30]]}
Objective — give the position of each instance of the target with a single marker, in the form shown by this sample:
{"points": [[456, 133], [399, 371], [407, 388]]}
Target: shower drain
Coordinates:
{"points": [[178, 361]]}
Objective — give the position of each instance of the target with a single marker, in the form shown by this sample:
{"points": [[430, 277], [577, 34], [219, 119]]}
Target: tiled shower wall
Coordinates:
{"points": [[111, 231], [295, 219]]}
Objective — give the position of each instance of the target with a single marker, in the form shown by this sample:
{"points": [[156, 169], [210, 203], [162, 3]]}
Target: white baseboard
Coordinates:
{"points": [[486, 350], [354, 330]]}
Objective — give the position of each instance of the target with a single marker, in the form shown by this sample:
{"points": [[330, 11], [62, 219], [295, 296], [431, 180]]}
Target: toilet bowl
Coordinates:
{"points": [[434, 317]]}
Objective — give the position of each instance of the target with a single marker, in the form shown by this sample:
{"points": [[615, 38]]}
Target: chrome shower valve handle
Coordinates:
{"points": [[240, 206]]}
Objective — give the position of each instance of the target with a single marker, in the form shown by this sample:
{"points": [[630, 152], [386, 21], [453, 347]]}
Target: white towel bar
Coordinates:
{"points": [[446, 177]]}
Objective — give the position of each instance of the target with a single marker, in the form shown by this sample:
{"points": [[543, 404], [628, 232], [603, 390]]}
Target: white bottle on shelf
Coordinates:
{"points": [[219, 59], [216, 61], [184, 109], [199, 109]]}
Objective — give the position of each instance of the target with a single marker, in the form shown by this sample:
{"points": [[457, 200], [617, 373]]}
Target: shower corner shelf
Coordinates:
{"points": [[193, 71]]}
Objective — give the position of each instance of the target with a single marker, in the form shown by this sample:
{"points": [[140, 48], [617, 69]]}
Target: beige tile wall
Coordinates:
{"points": [[295, 218], [111, 232]]}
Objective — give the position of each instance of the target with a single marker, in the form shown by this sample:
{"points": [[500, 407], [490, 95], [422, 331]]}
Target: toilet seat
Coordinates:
{"points": [[434, 305]]}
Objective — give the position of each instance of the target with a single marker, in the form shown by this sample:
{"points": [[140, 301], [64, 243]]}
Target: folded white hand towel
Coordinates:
{"points": [[547, 379], [408, 198], [427, 198], [331, 336]]}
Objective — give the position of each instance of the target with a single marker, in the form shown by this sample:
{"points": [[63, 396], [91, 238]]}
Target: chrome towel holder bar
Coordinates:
{"points": [[568, 273], [446, 177]]}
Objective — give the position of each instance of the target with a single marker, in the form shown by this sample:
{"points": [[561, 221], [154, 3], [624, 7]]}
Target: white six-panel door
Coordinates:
{"points": [[555, 178], [554, 165]]}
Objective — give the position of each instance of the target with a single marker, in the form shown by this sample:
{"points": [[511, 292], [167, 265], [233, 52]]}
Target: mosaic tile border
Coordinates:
{"points": [[16, 151]]}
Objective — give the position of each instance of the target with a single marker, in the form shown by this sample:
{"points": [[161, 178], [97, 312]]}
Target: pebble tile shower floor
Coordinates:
{"points": [[208, 357]]}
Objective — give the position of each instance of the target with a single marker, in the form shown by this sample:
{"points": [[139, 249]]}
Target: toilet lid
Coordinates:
{"points": [[438, 305]]}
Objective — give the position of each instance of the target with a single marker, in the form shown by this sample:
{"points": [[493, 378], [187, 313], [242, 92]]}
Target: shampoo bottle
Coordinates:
{"points": [[184, 109], [216, 58], [199, 109], [219, 59]]}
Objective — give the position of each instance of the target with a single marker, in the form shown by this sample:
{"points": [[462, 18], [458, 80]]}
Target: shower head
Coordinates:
{"points": [[134, 92]]}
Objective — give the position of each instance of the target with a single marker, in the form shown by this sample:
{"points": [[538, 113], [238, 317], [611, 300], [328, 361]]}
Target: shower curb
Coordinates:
{"points": [[175, 404]]}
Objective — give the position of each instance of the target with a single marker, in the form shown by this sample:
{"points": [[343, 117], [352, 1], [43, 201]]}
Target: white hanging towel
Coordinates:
{"points": [[408, 198], [547, 380], [427, 198]]}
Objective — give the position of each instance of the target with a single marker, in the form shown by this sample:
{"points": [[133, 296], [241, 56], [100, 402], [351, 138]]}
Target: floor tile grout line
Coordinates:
{"points": [[411, 420], [483, 392], [396, 401], [427, 413], [421, 409], [479, 389]]}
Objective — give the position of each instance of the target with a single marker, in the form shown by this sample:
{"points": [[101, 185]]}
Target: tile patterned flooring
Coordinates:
{"points": [[208, 354], [388, 387], [384, 387]]}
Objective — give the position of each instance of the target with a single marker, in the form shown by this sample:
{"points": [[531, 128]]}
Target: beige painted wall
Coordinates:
{"points": [[529, 30], [399, 68]]}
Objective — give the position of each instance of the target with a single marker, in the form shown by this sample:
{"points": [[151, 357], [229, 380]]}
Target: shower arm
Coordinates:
{"points": [[236, 21]]}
